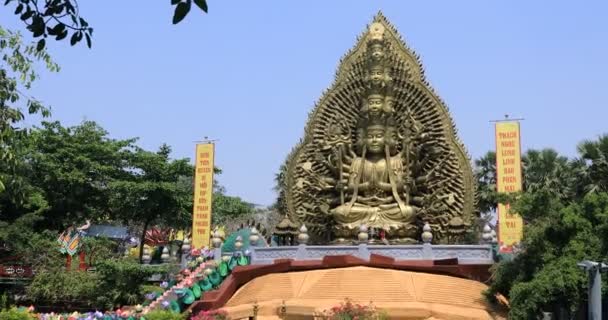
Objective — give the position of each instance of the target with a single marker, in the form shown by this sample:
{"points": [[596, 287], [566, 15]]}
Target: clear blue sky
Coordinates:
{"points": [[249, 72]]}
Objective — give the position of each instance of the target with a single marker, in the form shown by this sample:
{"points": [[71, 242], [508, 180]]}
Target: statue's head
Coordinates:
{"points": [[375, 139], [375, 135], [389, 103], [377, 51], [377, 75], [375, 104]]}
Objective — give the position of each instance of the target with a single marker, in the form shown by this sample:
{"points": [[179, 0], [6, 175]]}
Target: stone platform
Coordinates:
{"points": [[466, 254]]}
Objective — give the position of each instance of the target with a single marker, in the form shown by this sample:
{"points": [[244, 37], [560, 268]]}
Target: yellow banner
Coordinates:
{"points": [[203, 191], [508, 179]]}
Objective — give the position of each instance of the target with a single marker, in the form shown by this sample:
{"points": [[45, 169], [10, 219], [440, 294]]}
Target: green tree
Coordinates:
{"points": [[17, 73], [225, 208], [547, 170], [485, 173], [544, 275], [154, 191], [595, 155]]}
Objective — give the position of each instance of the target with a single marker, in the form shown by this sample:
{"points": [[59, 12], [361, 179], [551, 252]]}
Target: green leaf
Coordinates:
{"points": [[181, 10], [74, 38], [88, 38], [37, 27], [19, 8], [56, 30], [174, 2], [201, 4], [2, 188], [62, 35], [28, 14], [41, 44]]}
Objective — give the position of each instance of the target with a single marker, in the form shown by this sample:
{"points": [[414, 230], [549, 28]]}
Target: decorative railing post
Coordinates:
{"points": [[303, 235], [486, 235], [427, 239], [216, 242], [165, 256], [363, 236], [302, 241], [238, 244], [254, 237], [186, 247], [146, 257]]}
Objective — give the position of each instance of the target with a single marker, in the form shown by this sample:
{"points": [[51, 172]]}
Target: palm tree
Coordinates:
{"points": [[485, 173], [547, 170], [595, 155]]}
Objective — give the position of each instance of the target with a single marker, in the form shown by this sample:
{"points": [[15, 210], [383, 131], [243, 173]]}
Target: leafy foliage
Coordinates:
{"points": [[594, 154], [121, 281], [182, 8], [74, 167], [565, 209], [227, 207], [56, 18], [17, 73], [116, 282], [60, 287], [16, 314], [542, 170], [61, 19], [154, 192], [485, 172], [544, 276], [164, 315]]}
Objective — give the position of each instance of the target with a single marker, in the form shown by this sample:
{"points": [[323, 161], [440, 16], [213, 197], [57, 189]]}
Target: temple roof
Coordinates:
{"points": [[108, 231], [286, 225]]}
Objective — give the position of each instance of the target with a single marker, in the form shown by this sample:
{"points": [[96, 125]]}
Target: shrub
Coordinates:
{"points": [[61, 286], [164, 315], [16, 314], [121, 281], [348, 310], [211, 315]]}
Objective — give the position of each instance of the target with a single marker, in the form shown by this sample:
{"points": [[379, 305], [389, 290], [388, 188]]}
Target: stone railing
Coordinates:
{"points": [[466, 254]]}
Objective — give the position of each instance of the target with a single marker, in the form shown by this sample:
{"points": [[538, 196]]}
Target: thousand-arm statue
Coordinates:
{"points": [[380, 150]]}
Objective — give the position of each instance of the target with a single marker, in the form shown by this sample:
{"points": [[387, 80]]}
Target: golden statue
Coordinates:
{"points": [[380, 150]]}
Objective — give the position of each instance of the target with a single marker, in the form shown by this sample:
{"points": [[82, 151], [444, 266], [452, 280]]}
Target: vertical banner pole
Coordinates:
{"points": [[203, 193], [508, 179]]}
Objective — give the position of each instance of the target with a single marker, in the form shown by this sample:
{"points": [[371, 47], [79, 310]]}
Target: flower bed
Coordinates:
{"points": [[348, 310]]}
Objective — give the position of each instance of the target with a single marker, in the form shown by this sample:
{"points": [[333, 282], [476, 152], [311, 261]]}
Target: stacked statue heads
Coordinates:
{"points": [[375, 176]]}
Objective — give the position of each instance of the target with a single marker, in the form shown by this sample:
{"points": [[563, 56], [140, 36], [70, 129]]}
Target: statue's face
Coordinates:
{"points": [[377, 52], [389, 104], [374, 105], [377, 75], [375, 140]]}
